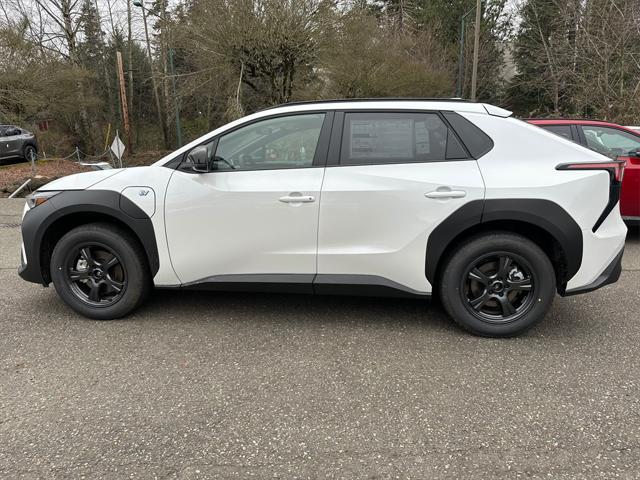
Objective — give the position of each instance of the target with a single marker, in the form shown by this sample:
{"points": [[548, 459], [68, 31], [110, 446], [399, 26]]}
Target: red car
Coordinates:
{"points": [[612, 140]]}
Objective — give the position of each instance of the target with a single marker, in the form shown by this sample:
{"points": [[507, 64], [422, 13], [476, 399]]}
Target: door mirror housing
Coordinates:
{"points": [[634, 153], [199, 159]]}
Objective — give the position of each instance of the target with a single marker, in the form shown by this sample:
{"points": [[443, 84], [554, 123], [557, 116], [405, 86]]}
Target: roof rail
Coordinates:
{"points": [[378, 99], [568, 119]]}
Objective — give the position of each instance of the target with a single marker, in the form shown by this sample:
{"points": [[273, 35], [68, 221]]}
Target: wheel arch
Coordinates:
{"points": [[542, 221], [42, 230]]}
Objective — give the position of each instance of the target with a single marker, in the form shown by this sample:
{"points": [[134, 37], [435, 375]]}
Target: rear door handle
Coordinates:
{"points": [[297, 199], [446, 194]]}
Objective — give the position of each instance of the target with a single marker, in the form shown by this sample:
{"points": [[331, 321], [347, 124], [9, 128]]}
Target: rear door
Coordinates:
{"points": [[4, 142], [391, 178], [11, 140]]}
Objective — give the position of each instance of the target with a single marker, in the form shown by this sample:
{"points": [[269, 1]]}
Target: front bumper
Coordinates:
{"points": [[610, 275], [32, 231]]}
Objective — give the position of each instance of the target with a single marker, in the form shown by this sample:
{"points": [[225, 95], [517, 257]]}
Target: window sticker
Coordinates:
{"points": [[384, 138]]}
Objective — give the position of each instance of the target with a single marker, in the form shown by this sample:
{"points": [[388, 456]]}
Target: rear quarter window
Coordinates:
{"points": [[477, 142]]}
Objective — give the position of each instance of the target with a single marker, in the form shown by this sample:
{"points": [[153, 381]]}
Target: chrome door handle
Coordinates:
{"points": [[446, 194], [297, 199]]}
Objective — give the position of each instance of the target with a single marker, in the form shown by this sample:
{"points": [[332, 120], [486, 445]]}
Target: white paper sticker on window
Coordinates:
{"points": [[384, 138]]}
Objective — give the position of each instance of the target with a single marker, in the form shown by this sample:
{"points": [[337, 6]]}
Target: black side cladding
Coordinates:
{"points": [[108, 203], [467, 216], [544, 214]]}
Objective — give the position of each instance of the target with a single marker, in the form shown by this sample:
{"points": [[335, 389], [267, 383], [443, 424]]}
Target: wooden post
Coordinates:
{"points": [[130, 72], [476, 50], [123, 100]]}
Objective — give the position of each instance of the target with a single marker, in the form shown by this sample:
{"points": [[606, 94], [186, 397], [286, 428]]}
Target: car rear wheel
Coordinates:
{"points": [[498, 284], [29, 152], [100, 271]]}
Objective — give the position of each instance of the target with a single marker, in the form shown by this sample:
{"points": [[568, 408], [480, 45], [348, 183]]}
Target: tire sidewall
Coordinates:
{"points": [[541, 270]]}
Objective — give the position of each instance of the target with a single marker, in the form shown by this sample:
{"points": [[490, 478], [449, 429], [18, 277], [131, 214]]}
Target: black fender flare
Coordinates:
{"points": [[37, 222], [544, 214]]}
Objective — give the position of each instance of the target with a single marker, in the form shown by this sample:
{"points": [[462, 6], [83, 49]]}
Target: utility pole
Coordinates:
{"points": [[476, 50], [163, 121], [175, 100], [130, 72], [461, 55], [123, 100]]}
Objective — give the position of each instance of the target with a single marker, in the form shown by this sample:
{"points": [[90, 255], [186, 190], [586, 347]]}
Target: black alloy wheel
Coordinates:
{"points": [[497, 284], [100, 270], [498, 287], [96, 275]]}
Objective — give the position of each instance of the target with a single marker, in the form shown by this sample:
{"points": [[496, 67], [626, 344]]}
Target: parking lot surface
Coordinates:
{"points": [[213, 385]]}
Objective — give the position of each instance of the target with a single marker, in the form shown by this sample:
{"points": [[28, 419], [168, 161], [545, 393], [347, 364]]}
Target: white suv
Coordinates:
{"points": [[380, 197]]}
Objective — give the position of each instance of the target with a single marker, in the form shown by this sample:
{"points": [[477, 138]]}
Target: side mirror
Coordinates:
{"points": [[199, 159], [634, 153]]}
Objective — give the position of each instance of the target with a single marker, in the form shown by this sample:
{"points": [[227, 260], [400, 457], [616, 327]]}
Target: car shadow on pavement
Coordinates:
{"points": [[299, 308], [309, 311]]}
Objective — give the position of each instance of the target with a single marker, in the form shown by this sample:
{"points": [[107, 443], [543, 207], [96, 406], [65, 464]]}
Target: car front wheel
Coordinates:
{"points": [[100, 271], [497, 284]]}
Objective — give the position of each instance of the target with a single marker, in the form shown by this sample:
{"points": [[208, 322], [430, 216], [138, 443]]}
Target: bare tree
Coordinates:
{"points": [[65, 18]]}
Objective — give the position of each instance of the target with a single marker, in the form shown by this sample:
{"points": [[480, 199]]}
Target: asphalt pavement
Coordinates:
{"points": [[213, 385]]}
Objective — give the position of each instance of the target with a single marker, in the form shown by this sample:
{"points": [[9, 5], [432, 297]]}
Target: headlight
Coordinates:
{"points": [[38, 198]]}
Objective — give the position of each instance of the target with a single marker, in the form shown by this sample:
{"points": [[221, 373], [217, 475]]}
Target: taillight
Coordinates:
{"points": [[615, 168], [616, 172]]}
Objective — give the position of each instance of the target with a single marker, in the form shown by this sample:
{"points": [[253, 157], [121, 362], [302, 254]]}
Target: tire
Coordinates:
{"points": [[497, 284], [28, 150], [100, 270]]}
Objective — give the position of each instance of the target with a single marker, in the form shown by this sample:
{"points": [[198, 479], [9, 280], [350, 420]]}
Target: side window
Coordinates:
{"points": [[9, 131], [388, 137], [610, 141], [275, 143], [562, 130]]}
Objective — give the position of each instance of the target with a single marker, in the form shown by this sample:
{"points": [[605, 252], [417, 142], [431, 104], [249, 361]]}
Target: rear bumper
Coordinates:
{"points": [[610, 275], [600, 250]]}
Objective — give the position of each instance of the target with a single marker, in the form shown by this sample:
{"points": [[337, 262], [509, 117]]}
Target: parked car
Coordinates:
{"points": [[97, 165], [612, 140], [408, 198], [17, 142]]}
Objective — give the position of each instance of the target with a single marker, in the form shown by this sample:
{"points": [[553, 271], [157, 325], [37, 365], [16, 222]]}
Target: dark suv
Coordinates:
{"points": [[17, 142]]}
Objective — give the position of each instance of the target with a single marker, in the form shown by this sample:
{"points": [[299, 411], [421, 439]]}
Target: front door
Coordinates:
{"points": [[254, 216]]}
